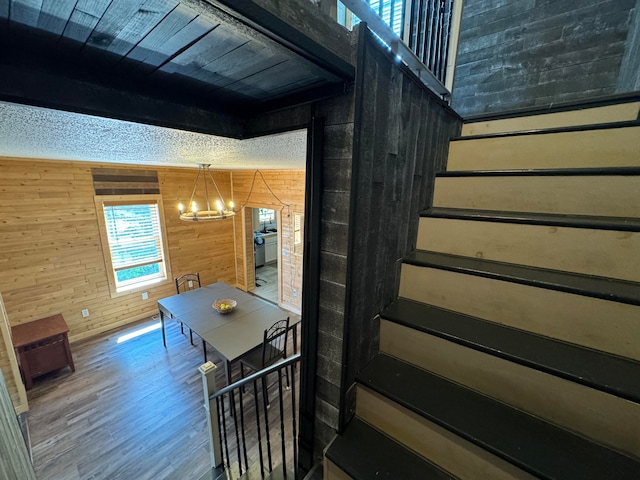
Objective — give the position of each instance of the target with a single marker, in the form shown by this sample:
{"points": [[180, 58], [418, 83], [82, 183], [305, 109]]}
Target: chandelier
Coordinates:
{"points": [[221, 211]]}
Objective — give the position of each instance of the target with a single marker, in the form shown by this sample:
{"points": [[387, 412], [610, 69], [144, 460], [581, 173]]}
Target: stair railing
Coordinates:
{"points": [[247, 430], [421, 33]]}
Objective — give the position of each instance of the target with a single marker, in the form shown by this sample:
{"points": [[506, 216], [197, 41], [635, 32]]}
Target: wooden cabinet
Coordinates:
{"points": [[270, 247], [42, 347]]}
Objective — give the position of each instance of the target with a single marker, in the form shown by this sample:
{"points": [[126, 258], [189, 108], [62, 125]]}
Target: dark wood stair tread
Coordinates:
{"points": [[559, 220], [551, 130], [605, 372], [598, 287], [531, 444], [365, 453], [544, 172]]}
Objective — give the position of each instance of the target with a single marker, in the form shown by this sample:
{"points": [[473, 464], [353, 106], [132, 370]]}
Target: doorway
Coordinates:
{"points": [[266, 235], [280, 196]]}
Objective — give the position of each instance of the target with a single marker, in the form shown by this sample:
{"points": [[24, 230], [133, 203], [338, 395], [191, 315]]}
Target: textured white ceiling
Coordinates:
{"points": [[33, 132]]}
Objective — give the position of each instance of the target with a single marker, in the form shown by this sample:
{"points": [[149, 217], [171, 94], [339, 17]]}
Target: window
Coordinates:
{"points": [[391, 11], [133, 238], [298, 223], [265, 215]]}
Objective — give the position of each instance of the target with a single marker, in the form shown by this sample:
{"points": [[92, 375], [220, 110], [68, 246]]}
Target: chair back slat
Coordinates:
{"points": [[188, 281], [274, 345]]}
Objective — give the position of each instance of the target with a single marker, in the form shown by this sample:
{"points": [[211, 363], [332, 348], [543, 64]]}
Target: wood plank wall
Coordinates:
{"points": [[52, 257], [288, 186], [402, 143], [338, 114], [402, 137], [204, 247], [547, 52], [9, 364], [319, 423], [14, 456], [334, 253], [51, 254]]}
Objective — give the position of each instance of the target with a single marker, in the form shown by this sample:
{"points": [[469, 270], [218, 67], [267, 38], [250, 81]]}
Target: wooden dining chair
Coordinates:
{"points": [[273, 348], [185, 283]]}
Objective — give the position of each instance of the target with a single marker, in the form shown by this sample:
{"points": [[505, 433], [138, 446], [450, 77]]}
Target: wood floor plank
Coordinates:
{"points": [[267, 282], [131, 410]]}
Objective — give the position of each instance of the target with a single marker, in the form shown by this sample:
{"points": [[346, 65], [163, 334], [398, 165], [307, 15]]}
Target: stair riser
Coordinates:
{"points": [[617, 147], [588, 116], [614, 196], [587, 251], [600, 324], [595, 414], [452, 453]]}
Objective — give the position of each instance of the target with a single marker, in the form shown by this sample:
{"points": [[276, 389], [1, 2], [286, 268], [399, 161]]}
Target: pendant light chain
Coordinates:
{"points": [[253, 181]]}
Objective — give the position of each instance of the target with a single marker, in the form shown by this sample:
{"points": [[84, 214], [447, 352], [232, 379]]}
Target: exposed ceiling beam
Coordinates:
{"points": [[299, 26], [30, 86]]}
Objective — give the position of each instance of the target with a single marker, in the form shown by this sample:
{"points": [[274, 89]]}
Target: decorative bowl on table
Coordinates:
{"points": [[225, 305]]}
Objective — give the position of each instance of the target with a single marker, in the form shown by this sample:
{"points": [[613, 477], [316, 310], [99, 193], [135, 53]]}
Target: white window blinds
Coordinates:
{"points": [[135, 241]]}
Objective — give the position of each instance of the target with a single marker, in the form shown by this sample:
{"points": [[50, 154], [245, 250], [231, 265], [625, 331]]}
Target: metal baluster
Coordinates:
{"points": [[220, 401], [392, 8], [433, 18], [411, 25], [244, 437], [281, 401], [419, 16], [222, 431], [293, 421], [443, 13], [436, 37], [232, 402], [266, 421], [421, 28], [445, 40], [403, 12], [230, 412], [257, 406], [424, 41]]}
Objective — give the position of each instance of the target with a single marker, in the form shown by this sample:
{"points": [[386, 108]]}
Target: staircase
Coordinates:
{"points": [[513, 348]]}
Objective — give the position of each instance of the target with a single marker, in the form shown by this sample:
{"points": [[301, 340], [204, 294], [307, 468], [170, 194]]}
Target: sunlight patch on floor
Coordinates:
{"points": [[139, 332]]}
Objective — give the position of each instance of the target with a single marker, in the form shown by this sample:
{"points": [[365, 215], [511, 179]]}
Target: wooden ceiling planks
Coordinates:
{"points": [[83, 20], [121, 29], [297, 25], [121, 37], [249, 59], [193, 61], [263, 84], [115, 18], [181, 51], [179, 28], [55, 14], [25, 12]]}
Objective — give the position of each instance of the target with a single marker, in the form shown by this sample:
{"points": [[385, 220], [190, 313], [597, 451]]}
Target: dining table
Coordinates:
{"points": [[231, 335]]}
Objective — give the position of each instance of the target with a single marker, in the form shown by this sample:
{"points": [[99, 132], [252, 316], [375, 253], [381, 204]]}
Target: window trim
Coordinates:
{"points": [[100, 200]]}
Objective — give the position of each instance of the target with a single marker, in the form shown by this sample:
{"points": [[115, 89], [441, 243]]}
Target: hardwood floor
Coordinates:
{"points": [[267, 278], [132, 410]]}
